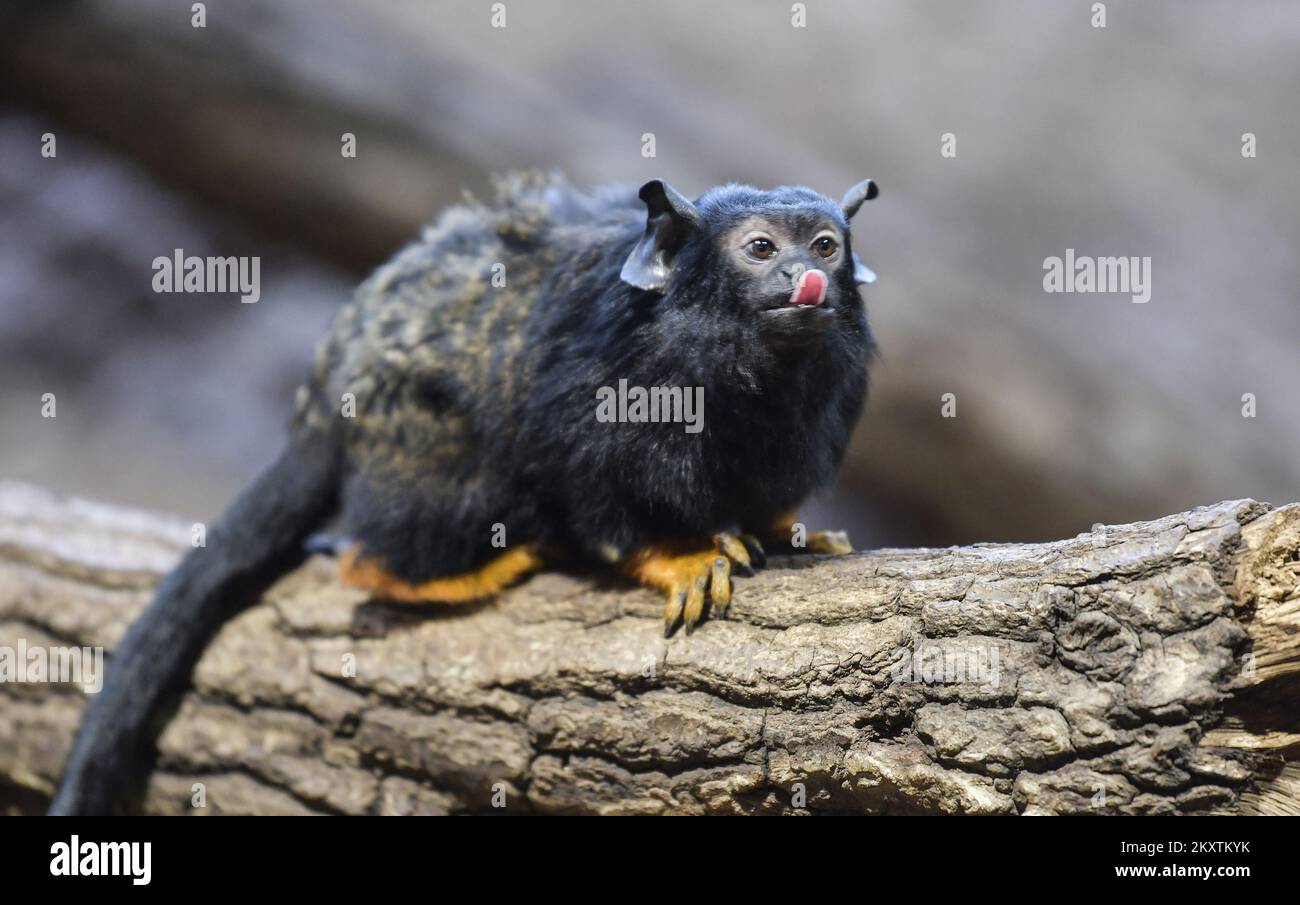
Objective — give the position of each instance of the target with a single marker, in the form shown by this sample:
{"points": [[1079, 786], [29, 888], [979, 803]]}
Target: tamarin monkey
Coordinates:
{"points": [[454, 400]]}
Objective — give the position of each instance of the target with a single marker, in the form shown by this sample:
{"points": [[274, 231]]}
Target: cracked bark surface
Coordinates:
{"points": [[1151, 668]]}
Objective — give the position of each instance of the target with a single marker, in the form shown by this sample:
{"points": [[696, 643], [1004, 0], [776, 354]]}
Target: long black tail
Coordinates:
{"points": [[258, 539]]}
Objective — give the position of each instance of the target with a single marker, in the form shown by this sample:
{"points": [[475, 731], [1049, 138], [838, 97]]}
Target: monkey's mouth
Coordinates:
{"points": [[804, 316], [808, 295], [807, 301], [809, 289]]}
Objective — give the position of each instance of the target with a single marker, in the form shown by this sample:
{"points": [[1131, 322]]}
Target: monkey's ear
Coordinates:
{"points": [[861, 272], [670, 217], [853, 198]]}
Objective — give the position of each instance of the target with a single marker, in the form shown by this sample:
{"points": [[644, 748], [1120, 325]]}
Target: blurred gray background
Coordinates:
{"points": [[1071, 409]]}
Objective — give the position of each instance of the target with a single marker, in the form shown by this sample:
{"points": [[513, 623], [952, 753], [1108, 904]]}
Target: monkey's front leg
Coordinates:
{"points": [[690, 573], [781, 536]]}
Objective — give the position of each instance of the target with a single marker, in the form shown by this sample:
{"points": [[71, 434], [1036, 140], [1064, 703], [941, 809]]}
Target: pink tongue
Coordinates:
{"points": [[809, 289]]}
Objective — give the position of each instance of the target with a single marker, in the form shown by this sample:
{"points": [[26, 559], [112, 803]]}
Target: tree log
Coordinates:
{"points": [[1149, 668]]}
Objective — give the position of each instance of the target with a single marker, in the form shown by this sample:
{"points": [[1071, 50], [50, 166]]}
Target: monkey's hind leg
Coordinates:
{"points": [[486, 581], [780, 535], [690, 572]]}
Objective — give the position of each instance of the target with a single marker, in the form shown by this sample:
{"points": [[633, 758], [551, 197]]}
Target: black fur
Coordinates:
{"points": [[516, 424], [777, 420], [475, 405]]}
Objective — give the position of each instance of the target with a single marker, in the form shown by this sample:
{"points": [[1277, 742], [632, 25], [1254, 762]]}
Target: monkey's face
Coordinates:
{"points": [[791, 271], [778, 259]]}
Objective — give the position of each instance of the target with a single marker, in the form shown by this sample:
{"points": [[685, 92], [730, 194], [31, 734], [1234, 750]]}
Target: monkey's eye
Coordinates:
{"points": [[824, 246], [761, 248]]}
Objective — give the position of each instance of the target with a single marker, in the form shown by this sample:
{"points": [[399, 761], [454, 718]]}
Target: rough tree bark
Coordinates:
{"points": [[1145, 668]]}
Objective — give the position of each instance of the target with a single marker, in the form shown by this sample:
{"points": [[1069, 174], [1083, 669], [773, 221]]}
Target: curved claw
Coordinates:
{"points": [[693, 581], [732, 547], [697, 576], [720, 587], [696, 595], [673, 608]]}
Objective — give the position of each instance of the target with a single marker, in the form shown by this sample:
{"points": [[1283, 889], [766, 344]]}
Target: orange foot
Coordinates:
{"points": [[780, 535], [504, 570], [690, 573]]}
